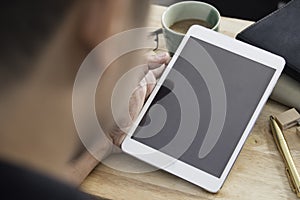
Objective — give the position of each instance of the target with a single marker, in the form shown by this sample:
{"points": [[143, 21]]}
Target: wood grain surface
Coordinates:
{"points": [[257, 174]]}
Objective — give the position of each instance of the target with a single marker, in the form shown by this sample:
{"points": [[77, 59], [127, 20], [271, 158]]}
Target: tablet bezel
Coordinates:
{"points": [[177, 167]]}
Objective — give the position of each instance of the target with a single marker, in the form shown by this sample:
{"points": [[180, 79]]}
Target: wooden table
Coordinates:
{"points": [[257, 174]]}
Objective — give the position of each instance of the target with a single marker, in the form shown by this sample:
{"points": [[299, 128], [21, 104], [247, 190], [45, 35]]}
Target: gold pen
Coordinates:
{"points": [[283, 148]]}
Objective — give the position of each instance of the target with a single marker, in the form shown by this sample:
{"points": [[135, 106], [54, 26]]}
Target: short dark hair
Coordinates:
{"points": [[25, 27]]}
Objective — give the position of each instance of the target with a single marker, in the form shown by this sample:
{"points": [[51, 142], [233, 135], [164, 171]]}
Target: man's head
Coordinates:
{"points": [[43, 44], [28, 26]]}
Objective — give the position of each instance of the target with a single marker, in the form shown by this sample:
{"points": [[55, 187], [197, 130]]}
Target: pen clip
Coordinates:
{"points": [[294, 188], [291, 182]]}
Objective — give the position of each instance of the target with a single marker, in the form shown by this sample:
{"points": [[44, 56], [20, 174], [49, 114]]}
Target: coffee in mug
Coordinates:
{"points": [[183, 26]]}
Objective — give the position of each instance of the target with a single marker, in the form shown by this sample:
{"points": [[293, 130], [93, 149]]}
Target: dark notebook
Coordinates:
{"points": [[279, 33]]}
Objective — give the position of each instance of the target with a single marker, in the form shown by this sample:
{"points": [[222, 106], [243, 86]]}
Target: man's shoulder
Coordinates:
{"points": [[21, 183]]}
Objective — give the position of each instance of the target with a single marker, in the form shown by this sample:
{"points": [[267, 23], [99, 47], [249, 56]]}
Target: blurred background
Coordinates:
{"points": [[247, 9]]}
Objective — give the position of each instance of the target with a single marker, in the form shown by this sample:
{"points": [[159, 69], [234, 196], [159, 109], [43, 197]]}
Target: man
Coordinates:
{"points": [[43, 44]]}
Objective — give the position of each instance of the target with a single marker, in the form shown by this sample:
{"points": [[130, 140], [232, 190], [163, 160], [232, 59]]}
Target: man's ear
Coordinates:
{"points": [[95, 21]]}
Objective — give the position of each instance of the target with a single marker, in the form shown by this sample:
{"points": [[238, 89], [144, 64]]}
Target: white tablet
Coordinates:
{"points": [[202, 109]]}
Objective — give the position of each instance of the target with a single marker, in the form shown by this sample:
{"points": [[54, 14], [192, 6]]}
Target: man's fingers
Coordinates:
{"points": [[146, 85], [158, 71], [137, 99], [157, 60], [118, 136]]}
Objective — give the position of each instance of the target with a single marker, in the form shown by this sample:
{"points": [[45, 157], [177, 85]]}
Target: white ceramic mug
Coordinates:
{"points": [[186, 10]]}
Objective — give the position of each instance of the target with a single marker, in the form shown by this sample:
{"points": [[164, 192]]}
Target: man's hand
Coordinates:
{"points": [[156, 65], [86, 162]]}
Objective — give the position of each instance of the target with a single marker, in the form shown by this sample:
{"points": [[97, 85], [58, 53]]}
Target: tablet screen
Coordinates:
{"points": [[204, 105]]}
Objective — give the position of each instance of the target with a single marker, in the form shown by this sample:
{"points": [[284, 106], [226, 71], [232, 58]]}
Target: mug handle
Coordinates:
{"points": [[156, 33]]}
